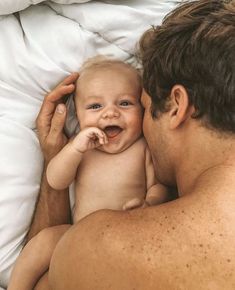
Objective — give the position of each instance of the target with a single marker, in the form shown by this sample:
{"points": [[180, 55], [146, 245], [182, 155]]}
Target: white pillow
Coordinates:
{"points": [[12, 6], [20, 174]]}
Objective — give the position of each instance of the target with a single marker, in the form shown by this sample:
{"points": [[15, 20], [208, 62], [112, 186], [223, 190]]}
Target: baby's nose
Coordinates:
{"points": [[111, 112]]}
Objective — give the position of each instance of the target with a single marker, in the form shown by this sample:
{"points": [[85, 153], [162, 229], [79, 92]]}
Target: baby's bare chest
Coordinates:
{"points": [[109, 180], [124, 169]]}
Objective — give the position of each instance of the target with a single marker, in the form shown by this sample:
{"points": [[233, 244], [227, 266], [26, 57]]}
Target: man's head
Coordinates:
{"points": [[108, 97], [189, 77], [195, 48]]}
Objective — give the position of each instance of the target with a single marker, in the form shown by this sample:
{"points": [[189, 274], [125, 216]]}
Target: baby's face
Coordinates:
{"points": [[109, 99]]}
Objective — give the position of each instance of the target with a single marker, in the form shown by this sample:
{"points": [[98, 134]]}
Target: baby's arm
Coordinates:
{"points": [[157, 193], [62, 169]]}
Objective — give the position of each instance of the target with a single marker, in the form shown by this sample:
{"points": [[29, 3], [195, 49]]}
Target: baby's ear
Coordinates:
{"points": [[180, 109]]}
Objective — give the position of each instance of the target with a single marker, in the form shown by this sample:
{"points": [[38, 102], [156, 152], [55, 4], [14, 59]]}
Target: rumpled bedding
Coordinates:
{"points": [[40, 44]]}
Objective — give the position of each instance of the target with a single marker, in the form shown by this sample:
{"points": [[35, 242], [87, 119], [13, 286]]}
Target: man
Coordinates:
{"points": [[189, 124]]}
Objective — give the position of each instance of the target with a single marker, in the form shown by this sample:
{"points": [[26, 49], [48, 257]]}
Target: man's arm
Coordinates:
{"points": [[52, 207]]}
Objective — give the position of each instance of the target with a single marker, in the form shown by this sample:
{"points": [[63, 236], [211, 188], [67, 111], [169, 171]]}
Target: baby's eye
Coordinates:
{"points": [[94, 106], [125, 103]]}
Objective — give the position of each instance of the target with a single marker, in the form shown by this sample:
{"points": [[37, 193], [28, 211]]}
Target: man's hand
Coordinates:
{"points": [[51, 118], [52, 207]]}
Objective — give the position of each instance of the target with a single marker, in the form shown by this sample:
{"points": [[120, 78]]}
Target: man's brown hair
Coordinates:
{"points": [[194, 47]]}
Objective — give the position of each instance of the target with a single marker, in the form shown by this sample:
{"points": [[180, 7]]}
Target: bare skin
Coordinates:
{"points": [[108, 159], [52, 208], [189, 241], [183, 244], [200, 223], [180, 248]]}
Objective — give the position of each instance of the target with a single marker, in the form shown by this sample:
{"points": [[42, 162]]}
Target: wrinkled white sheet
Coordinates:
{"points": [[11, 6], [37, 50]]}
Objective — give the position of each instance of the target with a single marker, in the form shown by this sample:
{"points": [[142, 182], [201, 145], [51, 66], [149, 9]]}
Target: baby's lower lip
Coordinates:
{"points": [[112, 137]]}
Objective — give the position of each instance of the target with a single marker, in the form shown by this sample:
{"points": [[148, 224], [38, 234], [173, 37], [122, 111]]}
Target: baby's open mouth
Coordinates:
{"points": [[112, 131]]}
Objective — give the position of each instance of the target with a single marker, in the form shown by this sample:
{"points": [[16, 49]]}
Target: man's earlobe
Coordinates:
{"points": [[180, 110]]}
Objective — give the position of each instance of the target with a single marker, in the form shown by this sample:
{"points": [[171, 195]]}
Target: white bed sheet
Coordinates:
{"points": [[39, 48]]}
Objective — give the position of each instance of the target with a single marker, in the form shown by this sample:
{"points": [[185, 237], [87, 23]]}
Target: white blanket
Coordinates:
{"points": [[39, 47]]}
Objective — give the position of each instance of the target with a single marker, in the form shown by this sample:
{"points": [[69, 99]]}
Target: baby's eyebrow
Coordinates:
{"points": [[93, 98], [128, 96]]}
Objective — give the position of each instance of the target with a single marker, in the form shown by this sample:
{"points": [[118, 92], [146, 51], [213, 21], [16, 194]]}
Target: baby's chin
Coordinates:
{"points": [[115, 146], [113, 149]]}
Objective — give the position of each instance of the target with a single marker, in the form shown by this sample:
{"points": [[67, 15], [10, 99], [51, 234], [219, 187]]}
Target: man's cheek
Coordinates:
{"points": [[145, 124]]}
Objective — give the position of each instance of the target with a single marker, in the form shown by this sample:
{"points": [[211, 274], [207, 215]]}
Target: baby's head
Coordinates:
{"points": [[108, 97]]}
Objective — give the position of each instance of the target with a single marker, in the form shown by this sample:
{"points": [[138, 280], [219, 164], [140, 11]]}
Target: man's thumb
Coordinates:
{"points": [[58, 120]]}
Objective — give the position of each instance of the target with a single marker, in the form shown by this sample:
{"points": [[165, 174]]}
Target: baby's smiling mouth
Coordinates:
{"points": [[112, 131]]}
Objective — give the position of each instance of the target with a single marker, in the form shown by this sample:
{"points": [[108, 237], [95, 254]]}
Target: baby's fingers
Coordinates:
{"points": [[101, 137], [132, 204]]}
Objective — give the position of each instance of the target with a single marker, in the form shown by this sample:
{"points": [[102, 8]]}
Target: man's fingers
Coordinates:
{"points": [[70, 79], [57, 122], [48, 106], [43, 122], [67, 86], [59, 92], [49, 103]]}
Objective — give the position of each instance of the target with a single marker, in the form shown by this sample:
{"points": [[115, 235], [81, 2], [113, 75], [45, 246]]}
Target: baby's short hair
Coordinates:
{"points": [[102, 61]]}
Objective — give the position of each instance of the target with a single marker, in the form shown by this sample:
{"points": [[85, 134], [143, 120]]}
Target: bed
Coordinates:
{"points": [[41, 42]]}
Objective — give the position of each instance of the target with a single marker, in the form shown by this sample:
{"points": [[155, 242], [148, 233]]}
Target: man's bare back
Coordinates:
{"points": [[184, 244]]}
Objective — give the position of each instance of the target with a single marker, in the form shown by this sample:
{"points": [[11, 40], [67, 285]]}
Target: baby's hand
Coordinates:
{"points": [[134, 203], [157, 194], [88, 139]]}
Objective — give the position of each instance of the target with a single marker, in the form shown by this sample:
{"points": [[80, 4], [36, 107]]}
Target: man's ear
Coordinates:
{"points": [[180, 109]]}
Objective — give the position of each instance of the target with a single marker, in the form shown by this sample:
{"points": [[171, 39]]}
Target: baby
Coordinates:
{"points": [[108, 159]]}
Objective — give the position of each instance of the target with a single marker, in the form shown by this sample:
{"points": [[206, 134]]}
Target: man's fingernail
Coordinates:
{"points": [[60, 109]]}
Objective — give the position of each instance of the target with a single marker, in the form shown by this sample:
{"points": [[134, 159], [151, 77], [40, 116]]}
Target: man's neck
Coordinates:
{"points": [[212, 154]]}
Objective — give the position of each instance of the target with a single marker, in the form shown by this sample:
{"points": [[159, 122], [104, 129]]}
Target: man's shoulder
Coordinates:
{"points": [[156, 248]]}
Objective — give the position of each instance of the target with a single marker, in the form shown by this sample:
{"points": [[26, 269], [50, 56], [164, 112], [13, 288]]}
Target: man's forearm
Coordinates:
{"points": [[52, 208]]}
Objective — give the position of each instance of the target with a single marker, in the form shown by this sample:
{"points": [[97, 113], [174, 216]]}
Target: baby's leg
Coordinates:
{"points": [[35, 258]]}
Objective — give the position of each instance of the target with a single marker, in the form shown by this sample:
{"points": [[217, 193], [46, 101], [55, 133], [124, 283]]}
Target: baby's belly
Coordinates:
{"points": [[89, 200]]}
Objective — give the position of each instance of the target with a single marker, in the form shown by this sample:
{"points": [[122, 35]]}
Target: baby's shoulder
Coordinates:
{"points": [[142, 142], [140, 145]]}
